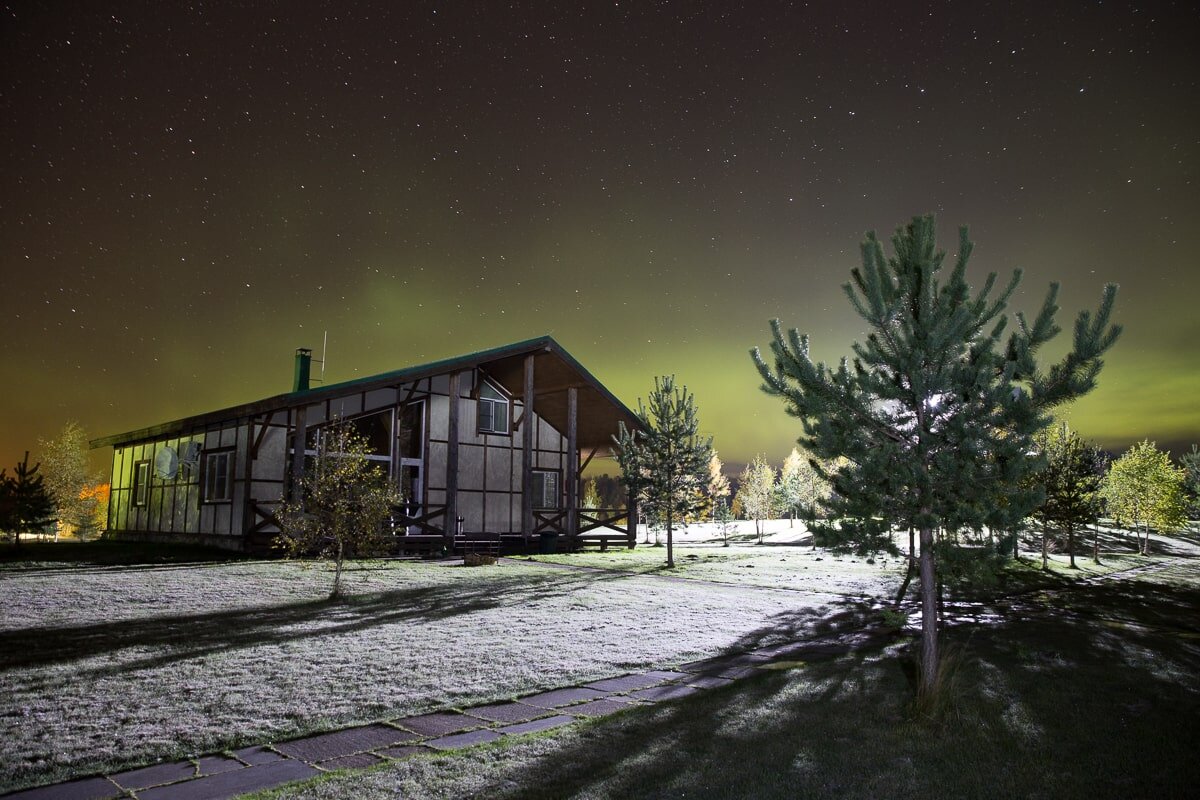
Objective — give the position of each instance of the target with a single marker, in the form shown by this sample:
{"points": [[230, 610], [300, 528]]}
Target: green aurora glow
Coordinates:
{"points": [[192, 195]]}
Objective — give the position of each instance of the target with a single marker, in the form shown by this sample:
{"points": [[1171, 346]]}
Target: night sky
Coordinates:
{"points": [[191, 191]]}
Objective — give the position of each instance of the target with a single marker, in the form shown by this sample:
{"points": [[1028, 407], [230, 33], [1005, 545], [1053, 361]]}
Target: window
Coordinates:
{"points": [[374, 429], [493, 410], [141, 483], [217, 476], [545, 488]]}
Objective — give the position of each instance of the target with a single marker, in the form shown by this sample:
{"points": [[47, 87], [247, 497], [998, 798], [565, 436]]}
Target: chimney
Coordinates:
{"points": [[303, 369]]}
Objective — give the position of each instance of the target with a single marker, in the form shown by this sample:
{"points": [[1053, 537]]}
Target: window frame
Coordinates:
{"points": [[206, 456], [318, 431], [504, 400], [539, 489], [141, 483]]}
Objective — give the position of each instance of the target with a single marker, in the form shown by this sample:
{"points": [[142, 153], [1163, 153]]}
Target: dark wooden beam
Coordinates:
{"points": [[412, 389], [261, 434], [588, 460], [299, 438], [560, 387], [248, 477], [527, 453], [452, 464], [572, 469]]}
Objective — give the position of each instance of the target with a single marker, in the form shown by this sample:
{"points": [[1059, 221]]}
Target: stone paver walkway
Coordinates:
{"points": [[218, 776]]}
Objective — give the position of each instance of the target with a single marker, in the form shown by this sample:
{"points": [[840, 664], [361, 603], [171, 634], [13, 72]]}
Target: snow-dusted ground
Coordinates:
{"points": [[118, 666], [110, 666]]}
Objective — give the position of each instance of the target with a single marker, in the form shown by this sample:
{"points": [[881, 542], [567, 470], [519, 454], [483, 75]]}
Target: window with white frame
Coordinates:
{"points": [[492, 414], [217, 476], [141, 483], [546, 493]]}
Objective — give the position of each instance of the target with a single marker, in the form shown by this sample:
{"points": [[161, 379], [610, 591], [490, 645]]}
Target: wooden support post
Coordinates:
{"points": [[632, 522], [527, 452], [452, 465], [299, 441], [572, 469], [266, 426], [247, 477]]}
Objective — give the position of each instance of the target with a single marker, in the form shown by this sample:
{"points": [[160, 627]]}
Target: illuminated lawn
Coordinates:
{"points": [[1095, 693], [109, 666], [786, 560], [106, 666]]}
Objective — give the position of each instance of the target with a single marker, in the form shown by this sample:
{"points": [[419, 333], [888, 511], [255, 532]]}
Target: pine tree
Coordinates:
{"points": [[25, 504], [723, 515], [1070, 483], [935, 413], [665, 464], [1144, 490], [344, 501]]}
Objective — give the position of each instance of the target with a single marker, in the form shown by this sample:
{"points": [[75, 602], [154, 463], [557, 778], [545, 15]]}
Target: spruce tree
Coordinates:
{"points": [[665, 465], [25, 503], [936, 412]]}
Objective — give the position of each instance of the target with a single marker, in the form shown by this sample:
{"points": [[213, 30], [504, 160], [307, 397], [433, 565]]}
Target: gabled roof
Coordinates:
{"points": [[555, 370]]}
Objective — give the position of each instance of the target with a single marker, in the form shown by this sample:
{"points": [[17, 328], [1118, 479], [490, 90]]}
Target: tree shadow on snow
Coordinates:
{"points": [[186, 636], [1098, 697]]}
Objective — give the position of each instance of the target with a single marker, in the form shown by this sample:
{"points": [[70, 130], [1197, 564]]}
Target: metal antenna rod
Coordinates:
{"points": [[324, 349]]}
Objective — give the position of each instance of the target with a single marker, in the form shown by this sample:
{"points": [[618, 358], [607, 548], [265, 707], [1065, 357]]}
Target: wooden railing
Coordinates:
{"points": [[591, 519], [402, 520], [549, 521]]}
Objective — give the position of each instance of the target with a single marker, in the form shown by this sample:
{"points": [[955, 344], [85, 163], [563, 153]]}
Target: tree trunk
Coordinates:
{"points": [[912, 548], [929, 627], [1096, 543], [1045, 549], [1016, 544], [670, 549], [337, 572], [1071, 545], [791, 519], [908, 576]]}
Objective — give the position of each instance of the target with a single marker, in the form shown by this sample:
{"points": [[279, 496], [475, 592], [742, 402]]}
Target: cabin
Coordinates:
{"points": [[486, 450]]}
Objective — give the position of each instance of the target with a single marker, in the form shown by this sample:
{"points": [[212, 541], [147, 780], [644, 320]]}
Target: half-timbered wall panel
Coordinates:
{"points": [[439, 417], [271, 460], [470, 467]]}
